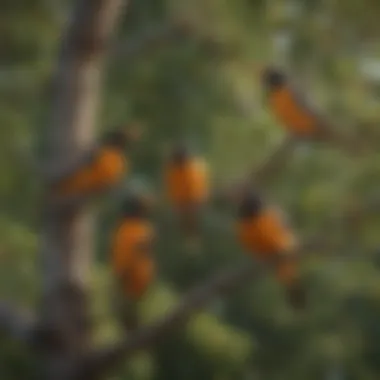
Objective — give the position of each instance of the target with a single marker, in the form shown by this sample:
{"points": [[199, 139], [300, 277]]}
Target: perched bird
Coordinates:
{"points": [[187, 187], [294, 112], [132, 251], [101, 168], [263, 232]]}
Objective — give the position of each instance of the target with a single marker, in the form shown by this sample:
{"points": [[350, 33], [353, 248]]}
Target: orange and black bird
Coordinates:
{"points": [[295, 113], [187, 187], [132, 253], [101, 168], [263, 232]]}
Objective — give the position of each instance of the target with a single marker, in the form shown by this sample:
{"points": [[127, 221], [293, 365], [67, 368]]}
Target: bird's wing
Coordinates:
{"points": [[284, 219], [309, 106], [58, 174], [326, 131], [145, 246]]}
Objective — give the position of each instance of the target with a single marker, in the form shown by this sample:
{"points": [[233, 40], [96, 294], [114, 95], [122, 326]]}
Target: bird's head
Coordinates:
{"points": [[137, 206], [273, 78], [251, 204], [180, 153], [123, 137]]}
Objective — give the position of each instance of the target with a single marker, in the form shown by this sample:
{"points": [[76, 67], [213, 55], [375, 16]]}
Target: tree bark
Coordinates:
{"points": [[67, 235], [15, 322]]}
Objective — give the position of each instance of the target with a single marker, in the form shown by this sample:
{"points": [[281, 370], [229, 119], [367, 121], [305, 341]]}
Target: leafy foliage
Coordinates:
{"points": [[204, 84]]}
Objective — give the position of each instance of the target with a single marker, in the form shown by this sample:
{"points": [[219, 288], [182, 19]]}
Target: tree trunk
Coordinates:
{"points": [[67, 236]]}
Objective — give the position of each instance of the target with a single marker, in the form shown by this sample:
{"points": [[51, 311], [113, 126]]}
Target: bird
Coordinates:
{"points": [[297, 115], [132, 254], [101, 168], [187, 187], [263, 232]]}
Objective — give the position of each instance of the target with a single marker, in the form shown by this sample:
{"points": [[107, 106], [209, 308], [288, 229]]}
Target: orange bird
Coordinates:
{"points": [[101, 168], [187, 186], [262, 231], [295, 114], [132, 250]]}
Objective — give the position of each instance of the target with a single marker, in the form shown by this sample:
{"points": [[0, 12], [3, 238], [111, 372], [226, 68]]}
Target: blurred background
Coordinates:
{"points": [[191, 68]]}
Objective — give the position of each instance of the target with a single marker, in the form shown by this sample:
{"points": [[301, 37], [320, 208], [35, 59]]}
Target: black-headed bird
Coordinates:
{"points": [[101, 168], [297, 115], [187, 188], [132, 254], [262, 231]]}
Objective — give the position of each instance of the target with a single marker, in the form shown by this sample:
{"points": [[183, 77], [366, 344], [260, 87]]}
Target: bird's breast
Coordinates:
{"points": [[127, 239], [292, 114], [265, 234], [187, 184], [111, 166]]}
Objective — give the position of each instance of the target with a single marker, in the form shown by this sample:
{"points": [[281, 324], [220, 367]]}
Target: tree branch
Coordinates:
{"points": [[15, 322], [67, 236], [222, 283], [274, 162], [158, 36], [104, 358], [261, 173], [151, 39], [75, 97]]}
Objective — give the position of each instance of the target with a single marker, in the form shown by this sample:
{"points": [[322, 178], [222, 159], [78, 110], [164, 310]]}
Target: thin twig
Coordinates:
{"points": [[105, 358], [220, 284], [274, 162], [261, 173], [151, 39]]}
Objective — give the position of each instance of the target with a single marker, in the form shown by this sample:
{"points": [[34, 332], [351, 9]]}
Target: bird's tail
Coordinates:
{"points": [[125, 309], [288, 275], [352, 144], [190, 225], [296, 296]]}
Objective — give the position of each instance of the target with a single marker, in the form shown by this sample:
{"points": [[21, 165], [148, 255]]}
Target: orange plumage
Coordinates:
{"points": [[107, 168], [187, 183], [287, 110], [263, 233], [132, 251], [187, 187], [101, 169], [291, 108], [140, 277], [266, 234]]}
